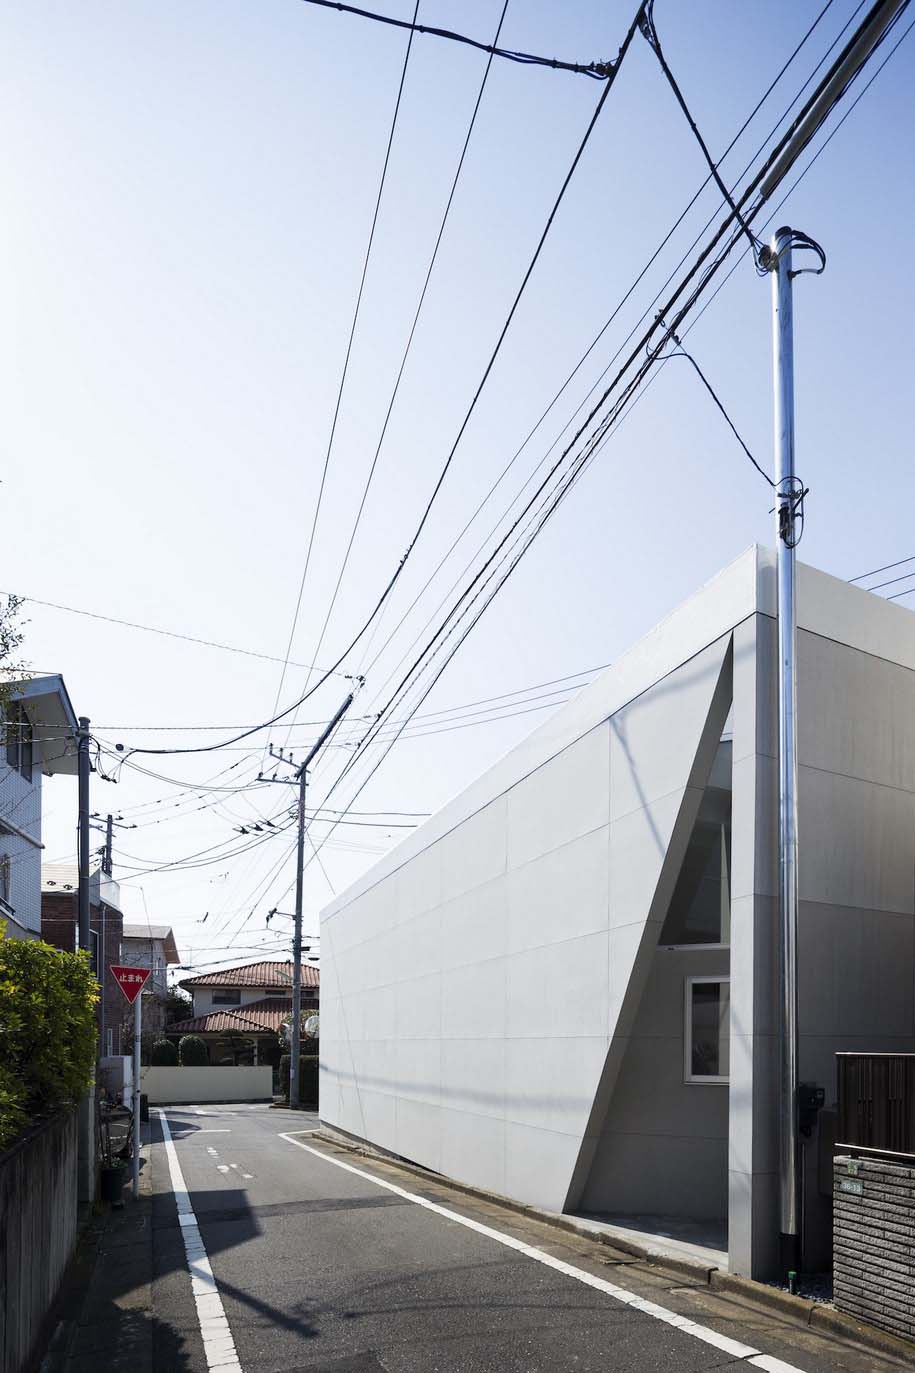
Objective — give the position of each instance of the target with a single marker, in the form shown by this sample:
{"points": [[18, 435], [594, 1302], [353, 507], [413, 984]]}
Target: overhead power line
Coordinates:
{"points": [[782, 157], [888, 568], [165, 633], [599, 71], [309, 691], [681, 352], [594, 342], [650, 34], [346, 359], [407, 347]]}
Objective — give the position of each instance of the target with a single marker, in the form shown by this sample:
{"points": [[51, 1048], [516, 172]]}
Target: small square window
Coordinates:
{"points": [[707, 1037]]}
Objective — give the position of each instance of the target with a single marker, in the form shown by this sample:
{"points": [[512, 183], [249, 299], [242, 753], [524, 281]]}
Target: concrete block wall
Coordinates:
{"points": [[38, 1215], [874, 1242]]}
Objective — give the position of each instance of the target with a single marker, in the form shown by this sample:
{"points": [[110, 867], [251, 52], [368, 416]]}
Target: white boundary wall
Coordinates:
{"points": [[174, 1085]]}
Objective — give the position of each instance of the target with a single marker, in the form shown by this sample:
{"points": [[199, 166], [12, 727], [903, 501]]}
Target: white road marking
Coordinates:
{"points": [[248, 1176], [214, 1152], [224, 1131], [735, 1348], [222, 1167], [218, 1344]]}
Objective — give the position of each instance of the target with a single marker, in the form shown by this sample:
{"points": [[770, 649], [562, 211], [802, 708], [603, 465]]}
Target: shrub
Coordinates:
{"points": [[192, 1051], [47, 1029], [308, 1078], [164, 1054]]}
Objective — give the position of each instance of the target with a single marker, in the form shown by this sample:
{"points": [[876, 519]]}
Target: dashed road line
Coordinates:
{"points": [[735, 1348]]}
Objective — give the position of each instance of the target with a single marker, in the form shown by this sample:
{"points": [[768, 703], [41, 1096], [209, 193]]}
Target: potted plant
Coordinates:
{"points": [[112, 1163]]}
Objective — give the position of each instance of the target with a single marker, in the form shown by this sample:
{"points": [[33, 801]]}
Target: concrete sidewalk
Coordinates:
{"points": [[106, 1314]]}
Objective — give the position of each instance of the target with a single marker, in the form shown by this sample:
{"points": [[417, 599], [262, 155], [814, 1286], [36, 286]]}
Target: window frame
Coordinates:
{"points": [[19, 740], [690, 1078], [219, 993]]}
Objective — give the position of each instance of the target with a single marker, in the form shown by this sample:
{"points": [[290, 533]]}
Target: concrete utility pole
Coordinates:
{"points": [[302, 779], [83, 770]]}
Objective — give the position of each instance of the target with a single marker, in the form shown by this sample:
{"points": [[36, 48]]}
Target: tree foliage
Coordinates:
{"points": [[178, 1006], [11, 637], [164, 1054], [308, 1078], [47, 1029], [192, 1051]]}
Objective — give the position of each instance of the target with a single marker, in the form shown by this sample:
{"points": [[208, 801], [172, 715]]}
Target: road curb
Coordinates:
{"points": [[815, 1315]]}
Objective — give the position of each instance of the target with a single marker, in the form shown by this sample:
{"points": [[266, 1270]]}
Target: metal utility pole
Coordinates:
{"points": [[302, 779], [789, 518], [83, 770]]}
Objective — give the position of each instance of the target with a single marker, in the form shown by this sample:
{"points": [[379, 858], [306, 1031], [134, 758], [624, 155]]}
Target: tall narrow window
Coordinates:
{"points": [[707, 1030], [5, 880], [18, 731], [700, 908]]}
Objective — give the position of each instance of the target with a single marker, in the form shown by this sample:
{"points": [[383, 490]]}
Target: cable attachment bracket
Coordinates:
{"points": [[768, 258], [790, 506]]}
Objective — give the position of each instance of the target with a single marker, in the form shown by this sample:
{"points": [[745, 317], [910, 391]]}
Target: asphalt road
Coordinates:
{"points": [[316, 1267]]}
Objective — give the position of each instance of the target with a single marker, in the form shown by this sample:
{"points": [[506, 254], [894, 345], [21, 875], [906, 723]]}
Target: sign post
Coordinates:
{"points": [[131, 982]]}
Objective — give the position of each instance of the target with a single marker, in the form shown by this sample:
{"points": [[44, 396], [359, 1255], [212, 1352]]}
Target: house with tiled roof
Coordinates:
{"points": [[239, 1011]]}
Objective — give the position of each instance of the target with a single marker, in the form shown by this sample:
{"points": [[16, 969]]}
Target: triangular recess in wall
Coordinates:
{"points": [[662, 746]]}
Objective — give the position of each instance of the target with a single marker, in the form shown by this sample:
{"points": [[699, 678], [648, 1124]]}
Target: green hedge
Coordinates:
{"points": [[308, 1078], [192, 1051], [47, 1030], [164, 1054]]}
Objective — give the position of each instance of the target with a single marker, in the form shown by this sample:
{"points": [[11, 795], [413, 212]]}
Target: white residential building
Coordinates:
{"points": [[39, 740], [563, 987]]}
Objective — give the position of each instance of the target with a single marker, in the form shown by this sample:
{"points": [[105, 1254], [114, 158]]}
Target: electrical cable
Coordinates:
{"points": [[681, 352], [888, 568], [346, 360], [209, 748], [600, 71], [650, 34], [166, 633], [556, 498], [600, 334], [775, 154], [409, 343], [892, 582]]}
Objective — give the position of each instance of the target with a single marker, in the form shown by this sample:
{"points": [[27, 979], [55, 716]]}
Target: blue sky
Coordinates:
{"points": [[187, 196]]}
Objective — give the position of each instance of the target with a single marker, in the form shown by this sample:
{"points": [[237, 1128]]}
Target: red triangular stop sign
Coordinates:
{"points": [[130, 980]]}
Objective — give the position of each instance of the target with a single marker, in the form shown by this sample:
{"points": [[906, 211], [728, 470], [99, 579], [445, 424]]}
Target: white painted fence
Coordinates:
{"points": [[207, 1083]]}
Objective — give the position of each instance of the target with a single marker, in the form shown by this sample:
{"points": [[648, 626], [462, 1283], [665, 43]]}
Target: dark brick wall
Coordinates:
{"points": [[874, 1242], [58, 927]]}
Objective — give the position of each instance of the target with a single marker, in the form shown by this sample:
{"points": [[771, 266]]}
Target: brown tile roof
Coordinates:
{"points": [[264, 1017], [268, 974]]}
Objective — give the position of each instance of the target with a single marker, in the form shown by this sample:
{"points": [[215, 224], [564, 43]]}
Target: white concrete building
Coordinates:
{"points": [[39, 740], [562, 987]]}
